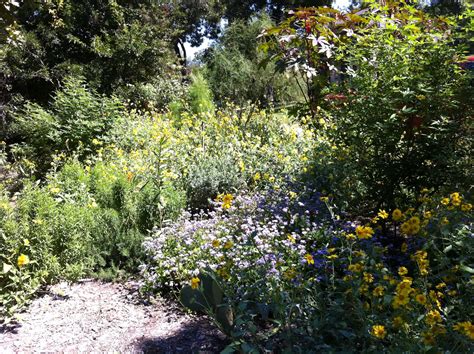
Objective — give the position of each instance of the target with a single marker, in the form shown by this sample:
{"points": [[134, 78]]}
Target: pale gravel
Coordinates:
{"points": [[97, 317]]}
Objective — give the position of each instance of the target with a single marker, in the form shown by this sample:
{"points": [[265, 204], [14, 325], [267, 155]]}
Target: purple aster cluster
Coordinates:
{"points": [[265, 235]]}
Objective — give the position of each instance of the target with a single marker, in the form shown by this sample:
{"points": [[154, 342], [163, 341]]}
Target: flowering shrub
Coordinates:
{"points": [[386, 85], [76, 116], [295, 276], [239, 233], [93, 209]]}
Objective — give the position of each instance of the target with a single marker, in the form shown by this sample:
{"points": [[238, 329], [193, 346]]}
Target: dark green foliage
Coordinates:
{"points": [[446, 7], [76, 116], [404, 125], [277, 9], [192, 299], [234, 70], [398, 111], [156, 206], [208, 298], [112, 44]]}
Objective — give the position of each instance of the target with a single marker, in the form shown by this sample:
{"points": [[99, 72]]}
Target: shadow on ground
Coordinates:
{"points": [[197, 337]]}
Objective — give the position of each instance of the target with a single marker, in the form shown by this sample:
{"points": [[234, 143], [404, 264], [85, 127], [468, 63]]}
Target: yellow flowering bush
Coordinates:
{"points": [[95, 206], [380, 288]]}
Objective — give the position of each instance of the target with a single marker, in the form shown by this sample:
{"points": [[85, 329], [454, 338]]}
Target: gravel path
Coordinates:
{"points": [[104, 317]]}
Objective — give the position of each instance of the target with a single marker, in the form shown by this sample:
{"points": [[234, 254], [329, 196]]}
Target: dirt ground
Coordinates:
{"points": [[93, 316]]}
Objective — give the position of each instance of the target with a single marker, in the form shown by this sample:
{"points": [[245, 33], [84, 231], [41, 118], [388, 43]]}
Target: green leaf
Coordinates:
{"points": [[467, 269], [192, 299], [447, 249], [225, 317]]}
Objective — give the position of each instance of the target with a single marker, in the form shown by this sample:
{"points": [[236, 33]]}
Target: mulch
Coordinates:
{"points": [[94, 316]]}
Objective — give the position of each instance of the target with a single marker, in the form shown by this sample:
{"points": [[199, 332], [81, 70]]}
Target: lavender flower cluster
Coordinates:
{"points": [[261, 235]]}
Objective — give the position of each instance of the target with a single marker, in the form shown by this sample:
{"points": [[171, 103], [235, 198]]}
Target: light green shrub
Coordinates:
{"points": [[76, 116], [200, 96]]}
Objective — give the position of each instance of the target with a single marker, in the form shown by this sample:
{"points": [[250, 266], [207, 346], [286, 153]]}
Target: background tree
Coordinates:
{"points": [[111, 43], [234, 72], [276, 9]]}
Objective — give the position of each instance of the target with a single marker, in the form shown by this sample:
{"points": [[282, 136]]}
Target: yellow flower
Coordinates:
{"points": [[324, 199], [445, 201], [421, 299], [397, 214], [364, 289], [129, 175], [427, 214], [400, 299], [405, 228], [364, 232], [356, 268], [466, 207], [309, 258], [420, 255], [404, 247], [228, 245], [257, 177], [216, 243], [23, 260], [433, 317], [467, 328], [456, 199], [368, 278], [414, 229], [378, 291], [455, 195], [332, 257], [429, 338], [351, 236], [444, 221], [227, 201], [456, 202], [378, 331], [398, 322], [195, 282], [402, 271], [359, 254], [382, 214], [55, 190]]}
